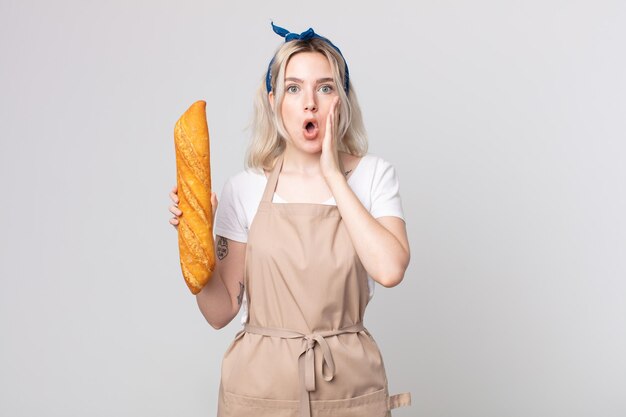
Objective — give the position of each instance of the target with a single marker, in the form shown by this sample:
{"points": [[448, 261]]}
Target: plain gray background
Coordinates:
{"points": [[504, 119]]}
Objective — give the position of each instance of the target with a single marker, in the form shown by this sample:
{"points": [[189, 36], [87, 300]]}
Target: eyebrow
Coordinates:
{"points": [[321, 80]]}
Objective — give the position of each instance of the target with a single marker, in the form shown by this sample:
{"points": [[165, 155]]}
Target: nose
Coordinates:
{"points": [[309, 103]]}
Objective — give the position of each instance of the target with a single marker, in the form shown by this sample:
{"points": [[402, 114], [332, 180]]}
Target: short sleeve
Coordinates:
{"points": [[230, 218], [386, 192]]}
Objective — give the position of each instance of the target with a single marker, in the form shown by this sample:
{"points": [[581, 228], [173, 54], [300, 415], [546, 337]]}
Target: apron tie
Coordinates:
{"points": [[309, 360], [306, 360]]}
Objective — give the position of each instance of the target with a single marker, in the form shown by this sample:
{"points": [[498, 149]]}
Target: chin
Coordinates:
{"points": [[313, 146]]}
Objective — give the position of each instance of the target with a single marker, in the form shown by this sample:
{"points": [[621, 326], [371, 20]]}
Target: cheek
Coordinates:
{"points": [[287, 111], [292, 125], [288, 119], [326, 103]]}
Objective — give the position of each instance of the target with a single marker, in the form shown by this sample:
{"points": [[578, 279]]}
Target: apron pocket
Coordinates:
{"points": [[374, 404]]}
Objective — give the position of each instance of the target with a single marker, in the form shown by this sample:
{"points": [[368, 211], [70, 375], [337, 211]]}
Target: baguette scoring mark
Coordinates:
{"points": [[193, 201], [222, 247], [191, 158], [192, 282], [192, 243]]}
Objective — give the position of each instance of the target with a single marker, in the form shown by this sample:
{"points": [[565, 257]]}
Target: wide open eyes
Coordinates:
{"points": [[324, 88]]}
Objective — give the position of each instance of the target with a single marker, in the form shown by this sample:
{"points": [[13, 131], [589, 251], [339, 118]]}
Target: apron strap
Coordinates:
{"points": [[399, 400], [270, 187], [306, 360]]}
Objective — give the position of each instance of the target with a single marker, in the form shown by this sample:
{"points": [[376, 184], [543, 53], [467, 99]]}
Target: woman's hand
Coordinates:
{"points": [[329, 160], [178, 213], [174, 207]]}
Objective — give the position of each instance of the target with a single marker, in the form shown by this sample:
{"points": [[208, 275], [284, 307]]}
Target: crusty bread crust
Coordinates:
{"points": [[193, 176]]}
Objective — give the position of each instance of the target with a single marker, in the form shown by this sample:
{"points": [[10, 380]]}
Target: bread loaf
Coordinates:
{"points": [[193, 176]]}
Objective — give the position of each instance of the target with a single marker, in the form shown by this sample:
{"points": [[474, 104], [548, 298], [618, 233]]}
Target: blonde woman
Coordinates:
{"points": [[301, 236]]}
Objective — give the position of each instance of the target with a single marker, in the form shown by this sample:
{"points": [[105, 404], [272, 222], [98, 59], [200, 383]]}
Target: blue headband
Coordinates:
{"points": [[306, 35]]}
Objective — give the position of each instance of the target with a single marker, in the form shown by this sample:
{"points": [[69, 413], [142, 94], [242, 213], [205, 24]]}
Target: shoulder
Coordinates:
{"points": [[246, 177], [244, 183], [377, 161], [242, 190], [384, 187], [237, 205], [373, 167]]}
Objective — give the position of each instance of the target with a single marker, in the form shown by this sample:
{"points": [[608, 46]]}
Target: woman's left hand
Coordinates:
{"points": [[329, 160]]}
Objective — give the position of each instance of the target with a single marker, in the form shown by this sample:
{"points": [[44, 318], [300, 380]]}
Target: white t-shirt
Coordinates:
{"points": [[374, 181]]}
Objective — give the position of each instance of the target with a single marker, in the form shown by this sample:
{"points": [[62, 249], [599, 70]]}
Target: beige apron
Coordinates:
{"points": [[304, 351]]}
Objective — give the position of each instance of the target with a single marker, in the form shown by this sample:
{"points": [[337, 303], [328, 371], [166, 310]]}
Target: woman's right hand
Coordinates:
{"points": [[174, 207], [177, 212], [222, 297]]}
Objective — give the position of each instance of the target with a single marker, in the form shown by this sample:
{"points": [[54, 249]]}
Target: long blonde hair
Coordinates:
{"points": [[268, 130]]}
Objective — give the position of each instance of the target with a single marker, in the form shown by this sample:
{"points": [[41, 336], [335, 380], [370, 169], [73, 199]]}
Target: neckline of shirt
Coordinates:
{"points": [[331, 201]]}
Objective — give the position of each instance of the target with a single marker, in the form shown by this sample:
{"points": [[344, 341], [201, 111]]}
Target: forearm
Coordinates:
{"points": [[216, 302], [382, 254]]}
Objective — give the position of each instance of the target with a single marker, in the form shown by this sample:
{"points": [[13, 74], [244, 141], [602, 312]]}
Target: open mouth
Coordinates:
{"points": [[310, 129]]}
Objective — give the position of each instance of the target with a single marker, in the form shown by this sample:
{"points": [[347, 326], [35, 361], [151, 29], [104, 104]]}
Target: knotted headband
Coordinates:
{"points": [[307, 34]]}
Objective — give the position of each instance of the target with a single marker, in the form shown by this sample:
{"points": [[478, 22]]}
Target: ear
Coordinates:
{"points": [[270, 96]]}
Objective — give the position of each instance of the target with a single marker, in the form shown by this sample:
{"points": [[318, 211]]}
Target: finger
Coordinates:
{"points": [[335, 106], [327, 140], [176, 211], [329, 123], [214, 204], [335, 116], [174, 221], [331, 129], [334, 110], [174, 197], [329, 119]]}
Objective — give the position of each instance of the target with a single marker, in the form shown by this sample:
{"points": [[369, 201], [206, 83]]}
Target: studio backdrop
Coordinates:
{"points": [[505, 123]]}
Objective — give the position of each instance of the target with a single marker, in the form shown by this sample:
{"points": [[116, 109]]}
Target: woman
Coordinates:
{"points": [[302, 234]]}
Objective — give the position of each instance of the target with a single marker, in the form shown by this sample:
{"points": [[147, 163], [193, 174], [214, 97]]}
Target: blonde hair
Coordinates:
{"points": [[268, 130]]}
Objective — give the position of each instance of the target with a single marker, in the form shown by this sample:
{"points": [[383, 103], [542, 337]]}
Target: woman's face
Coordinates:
{"points": [[309, 93]]}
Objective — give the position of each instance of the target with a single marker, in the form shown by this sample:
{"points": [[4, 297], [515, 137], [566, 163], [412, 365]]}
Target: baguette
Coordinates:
{"points": [[193, 177]]}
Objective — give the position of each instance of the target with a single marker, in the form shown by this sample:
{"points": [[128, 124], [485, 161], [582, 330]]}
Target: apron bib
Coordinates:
{"points": [[304, 351]]}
